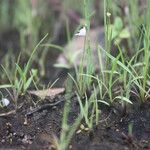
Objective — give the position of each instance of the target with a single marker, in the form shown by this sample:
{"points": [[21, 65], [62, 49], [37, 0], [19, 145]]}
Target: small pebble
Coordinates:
{"points": [[5, 102], [25, 121], [79, 131], [82, 127], [70, 146], [86, 129], [117, 130]]}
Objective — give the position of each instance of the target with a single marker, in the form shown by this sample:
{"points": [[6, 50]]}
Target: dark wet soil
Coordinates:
{"points": [[35, 131]]}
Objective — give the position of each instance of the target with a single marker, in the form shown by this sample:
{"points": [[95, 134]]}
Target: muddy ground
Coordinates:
{"points": [[26, 129]]}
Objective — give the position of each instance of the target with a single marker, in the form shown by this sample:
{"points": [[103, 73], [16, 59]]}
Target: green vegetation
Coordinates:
{"points": [[21, 78], [119, 77], [67, 129]]}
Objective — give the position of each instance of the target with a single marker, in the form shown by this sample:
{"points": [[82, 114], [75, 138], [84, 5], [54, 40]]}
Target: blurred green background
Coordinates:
{"points": [[23, 23]]}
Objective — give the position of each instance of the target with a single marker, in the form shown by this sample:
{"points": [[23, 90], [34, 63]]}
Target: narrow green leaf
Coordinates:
{"points": [[6, 86]]}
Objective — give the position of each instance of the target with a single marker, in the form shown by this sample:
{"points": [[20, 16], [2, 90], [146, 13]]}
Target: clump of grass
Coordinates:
{"points": [[89, 109], [146, 57], [81, 84], [118, 70], [21, 79], [86, 65]]}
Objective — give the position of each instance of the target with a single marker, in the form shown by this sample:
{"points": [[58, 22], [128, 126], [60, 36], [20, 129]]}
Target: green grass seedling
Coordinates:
{"points": [[67, 130], [19, 80], [86, 65], [85, 111], [146, 59]]}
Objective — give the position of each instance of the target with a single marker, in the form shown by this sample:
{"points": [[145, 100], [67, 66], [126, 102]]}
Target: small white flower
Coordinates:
{"points": [[108, 14], [82, 32]]}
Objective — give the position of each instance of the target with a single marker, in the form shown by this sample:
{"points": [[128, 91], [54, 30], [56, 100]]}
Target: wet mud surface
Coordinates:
{"points": [[19, 131]]}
